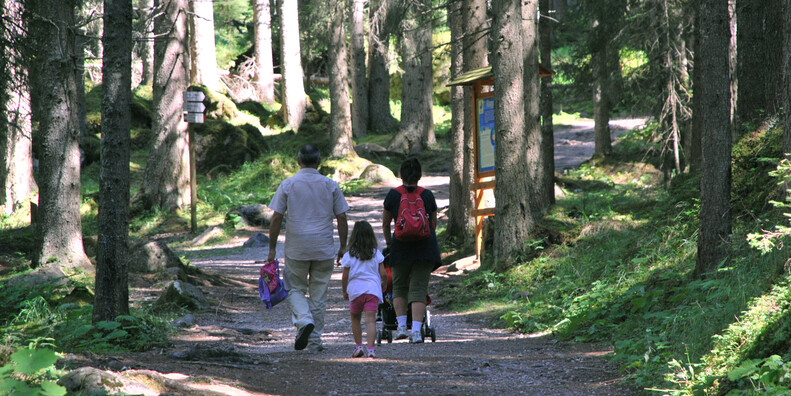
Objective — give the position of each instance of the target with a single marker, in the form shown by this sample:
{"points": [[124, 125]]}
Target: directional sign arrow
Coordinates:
{"points": [[194, 96], [194, 107], [194, 118]]}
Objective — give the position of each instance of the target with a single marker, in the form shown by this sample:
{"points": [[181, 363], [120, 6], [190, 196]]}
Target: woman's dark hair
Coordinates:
{"points": [[410, 171], [362, 241], [309, 156]]}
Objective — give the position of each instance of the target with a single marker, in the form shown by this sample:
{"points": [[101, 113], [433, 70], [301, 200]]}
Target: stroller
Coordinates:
{"points": [[386, 314]]}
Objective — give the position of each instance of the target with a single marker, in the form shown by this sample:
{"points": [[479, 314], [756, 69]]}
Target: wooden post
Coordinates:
{"points": [[193, 182]]}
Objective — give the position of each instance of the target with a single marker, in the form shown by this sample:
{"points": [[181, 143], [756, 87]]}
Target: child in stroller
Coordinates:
{"points": [[386, 314]]}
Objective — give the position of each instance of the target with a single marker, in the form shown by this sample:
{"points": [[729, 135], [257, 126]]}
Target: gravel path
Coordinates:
{"points": [[239, 343]]}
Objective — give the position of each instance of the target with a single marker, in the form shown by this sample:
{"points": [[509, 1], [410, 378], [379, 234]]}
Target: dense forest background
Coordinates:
{"points": [[668, 244]]}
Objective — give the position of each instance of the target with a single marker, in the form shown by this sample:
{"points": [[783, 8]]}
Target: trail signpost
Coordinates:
{"points": [[193, 114]]}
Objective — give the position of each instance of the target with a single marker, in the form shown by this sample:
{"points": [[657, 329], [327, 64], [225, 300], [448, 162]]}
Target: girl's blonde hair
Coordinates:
{"points": [[362, 242]]}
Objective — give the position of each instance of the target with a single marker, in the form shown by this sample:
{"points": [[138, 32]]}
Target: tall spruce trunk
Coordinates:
{"points": [[16, 135], [380, 120], [417, 121], [358, 78], [58, 246], [203, 54], [291, 60], [264, 75], [545, 109], [147, 41], [458, 219], [715, 178], [166, 177], [341, 143], [112, 286], [786, 87], [513, 219], [534, 155]]}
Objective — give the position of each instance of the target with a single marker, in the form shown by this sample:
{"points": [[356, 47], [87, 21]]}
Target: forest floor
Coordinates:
{"points": [[240, 348]]}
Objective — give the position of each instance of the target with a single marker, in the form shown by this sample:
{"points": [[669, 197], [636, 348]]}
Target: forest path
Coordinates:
{"points": [[241, 344]]}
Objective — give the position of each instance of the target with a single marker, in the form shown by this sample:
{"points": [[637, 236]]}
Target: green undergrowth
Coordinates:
{"points": [[612, 263]]}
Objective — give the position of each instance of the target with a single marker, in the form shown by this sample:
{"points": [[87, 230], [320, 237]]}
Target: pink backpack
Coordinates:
{"points": [[270, 286], [412, 222]]}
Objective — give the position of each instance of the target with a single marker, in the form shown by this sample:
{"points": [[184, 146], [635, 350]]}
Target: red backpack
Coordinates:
{"points": [[412, 222]]}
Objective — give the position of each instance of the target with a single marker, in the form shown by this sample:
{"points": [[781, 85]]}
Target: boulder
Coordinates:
{"points": [[152, 256], [376, 173], [258, 240], [181, 295], [367, 148], [256, 215], [205, 236]]}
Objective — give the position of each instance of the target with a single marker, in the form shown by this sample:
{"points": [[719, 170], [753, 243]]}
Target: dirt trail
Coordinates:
{"points": [[239, 343]]}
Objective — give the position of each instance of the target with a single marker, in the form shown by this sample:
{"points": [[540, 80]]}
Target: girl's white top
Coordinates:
{"points": [[364, 275]]}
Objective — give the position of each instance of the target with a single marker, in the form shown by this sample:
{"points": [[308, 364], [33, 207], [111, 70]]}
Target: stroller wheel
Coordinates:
{"points": [[433, 335], [389, 337], [379, 337]]}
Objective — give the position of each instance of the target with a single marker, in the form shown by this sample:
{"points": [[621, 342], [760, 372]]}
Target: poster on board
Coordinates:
{"points": [[486, 146]]}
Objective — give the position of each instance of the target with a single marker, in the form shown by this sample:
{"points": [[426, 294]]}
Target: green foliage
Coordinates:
{"points": [[31, 371], [233, 30], [755, 155], [765, 241]]}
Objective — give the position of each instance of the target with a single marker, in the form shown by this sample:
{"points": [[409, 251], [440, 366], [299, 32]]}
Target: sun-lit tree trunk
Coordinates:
{"points": [[146, 41], [111, 286], [264, 76], [341, 144], [417, 122], [513, 219], [166, 177], [715, 177], [547, 178], [290, 58], [58, 247], [359, 82], [380, 119], [539, 198], [16, 140], [203, 55]]}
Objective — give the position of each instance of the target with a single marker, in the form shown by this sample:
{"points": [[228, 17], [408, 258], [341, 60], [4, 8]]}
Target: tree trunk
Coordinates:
{"points": [[513, 220], [264, 67], [697, 99], [203, 70], [147, 41], [534, 155], [458, 213], [58, 237], [786, 87], [111, 286], [601, 92], [166, 178], [547, 132], [16, 140], [417, 121], [294, 88], [359, 83], [380, 120], [773, 34], [715, 178], [751, 59], [476, 55], [341, 144]]}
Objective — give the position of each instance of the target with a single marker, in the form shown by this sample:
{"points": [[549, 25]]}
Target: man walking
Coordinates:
{"points": [[309, 201]]}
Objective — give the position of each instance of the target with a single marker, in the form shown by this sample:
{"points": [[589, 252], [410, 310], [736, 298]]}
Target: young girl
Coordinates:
{"points": [[364, 278]]}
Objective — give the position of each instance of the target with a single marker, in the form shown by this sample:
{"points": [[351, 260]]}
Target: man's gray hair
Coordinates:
{"points": [[309, 155]]}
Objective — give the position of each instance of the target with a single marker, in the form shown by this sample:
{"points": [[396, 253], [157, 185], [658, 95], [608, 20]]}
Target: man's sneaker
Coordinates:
{"points": [[358, 352], [302, 336], [416, 338], [371, 354], [401, 333]]}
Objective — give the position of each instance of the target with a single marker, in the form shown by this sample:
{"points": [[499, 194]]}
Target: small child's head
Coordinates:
{"points": [[363, 241]]}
